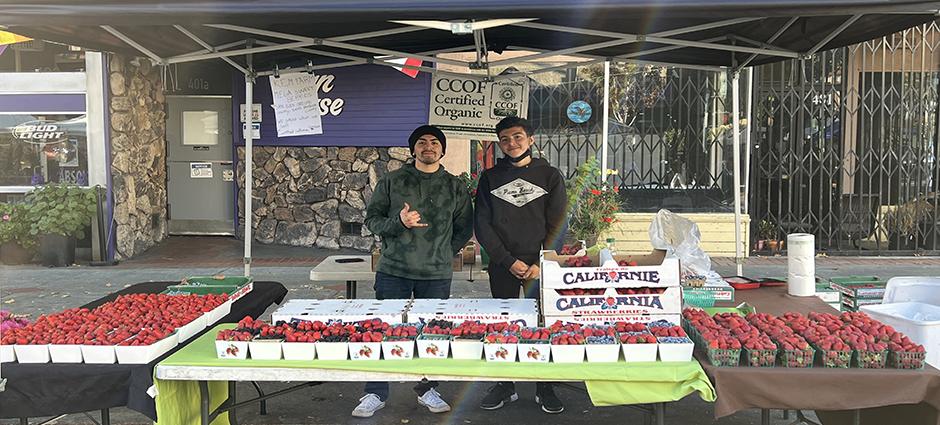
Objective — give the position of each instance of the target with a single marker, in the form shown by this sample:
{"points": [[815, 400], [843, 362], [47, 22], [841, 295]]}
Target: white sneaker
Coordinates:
{"points": [[368, 405], [433, 401]]}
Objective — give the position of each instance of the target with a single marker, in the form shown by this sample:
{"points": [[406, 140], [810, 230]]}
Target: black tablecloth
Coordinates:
{"points": [[886, 396], [53, 389]]}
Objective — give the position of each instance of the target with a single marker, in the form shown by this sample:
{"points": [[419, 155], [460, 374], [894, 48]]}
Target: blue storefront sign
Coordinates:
{"points": [[365, 105]]}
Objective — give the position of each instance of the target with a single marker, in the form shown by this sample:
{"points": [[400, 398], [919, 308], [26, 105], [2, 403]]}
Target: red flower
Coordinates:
{"points": [[595, 192], [608, 219]]}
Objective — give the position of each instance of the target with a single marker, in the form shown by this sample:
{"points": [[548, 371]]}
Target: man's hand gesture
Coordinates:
{"points": [[409, 218]]}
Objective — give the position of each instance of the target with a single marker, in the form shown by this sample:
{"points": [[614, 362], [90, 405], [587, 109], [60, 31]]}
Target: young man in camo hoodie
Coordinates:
{"points": [[424, 216]]}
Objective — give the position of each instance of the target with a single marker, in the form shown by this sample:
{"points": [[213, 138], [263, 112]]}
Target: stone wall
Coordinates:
{"points": [[302, 196], [138, 154]]}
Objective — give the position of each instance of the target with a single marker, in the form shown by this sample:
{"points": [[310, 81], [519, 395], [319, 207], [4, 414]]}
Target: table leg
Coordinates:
{"points": [[764, 416], [786, 414], [24, 421], [659, 411], [350, 289], [857, 417], [204, 402], [105, 417], [232, 400], [264, 403]]}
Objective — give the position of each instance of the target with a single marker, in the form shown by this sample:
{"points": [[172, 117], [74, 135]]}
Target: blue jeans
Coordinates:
{"points": [[392, 288]]}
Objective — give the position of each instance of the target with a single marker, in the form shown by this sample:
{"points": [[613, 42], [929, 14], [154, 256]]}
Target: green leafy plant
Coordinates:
{"points": [[60, 210], [471, 180], [14, 225], [591, 202], [767, 230]]}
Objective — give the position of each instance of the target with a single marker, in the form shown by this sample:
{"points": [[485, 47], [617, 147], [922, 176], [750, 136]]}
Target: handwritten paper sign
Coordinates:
{"points": [[296, 105]]}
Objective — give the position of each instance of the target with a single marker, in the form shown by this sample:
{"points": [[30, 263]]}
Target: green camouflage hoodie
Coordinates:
{"points": [[422, 253]]}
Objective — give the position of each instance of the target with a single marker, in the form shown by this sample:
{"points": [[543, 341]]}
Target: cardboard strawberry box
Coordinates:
{"points": [[398, 350], [604, 270], [522, 311], [588, 319], [389, 311], [7, 355], [611, 301]]}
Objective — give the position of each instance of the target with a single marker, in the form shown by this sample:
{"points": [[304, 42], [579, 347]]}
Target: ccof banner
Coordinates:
{"points": [[471, 107]]}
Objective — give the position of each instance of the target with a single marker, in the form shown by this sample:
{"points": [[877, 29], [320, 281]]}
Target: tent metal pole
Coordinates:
{"points": [[772, 39], [561, 52], [249, 179], [833, 34], [239, 52], [665, 49], [736, 149], [208, 47], [611, 34], [725, 47], [153, 56], [747, 141], [333, 43], [216, 48], [605, 123]]}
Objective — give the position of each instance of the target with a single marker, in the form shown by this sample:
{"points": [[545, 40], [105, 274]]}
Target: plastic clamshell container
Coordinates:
{"points": [[265, 349], [32, 353], [500, 352], [96, 354], [398, 350], [299, 350], [635, 353], [676, 352], [433, 347], [919, 321], [332, 350], [921, 289], [567, 353], [65, 353], [534, 352], [143, 354], [466, 349], [365, 350], [231, 349], [190, 329], [602, 353], [7, 354]]}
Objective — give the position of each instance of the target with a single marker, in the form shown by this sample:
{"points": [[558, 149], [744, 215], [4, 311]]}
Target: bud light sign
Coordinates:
{"points": [[38, 132]]}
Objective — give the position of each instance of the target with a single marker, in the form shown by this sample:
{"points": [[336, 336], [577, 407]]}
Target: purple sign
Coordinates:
{"points": [[365, 105]]}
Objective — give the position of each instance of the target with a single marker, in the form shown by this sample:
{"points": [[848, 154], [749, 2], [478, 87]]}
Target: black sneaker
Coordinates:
{"points": [[499, 395], [545, 397]]}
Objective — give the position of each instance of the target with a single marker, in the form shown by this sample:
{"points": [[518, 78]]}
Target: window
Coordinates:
{"points": [[39, 148]]}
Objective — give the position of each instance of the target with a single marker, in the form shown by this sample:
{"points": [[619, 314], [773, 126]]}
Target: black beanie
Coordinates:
{"points": [[423, 130]]}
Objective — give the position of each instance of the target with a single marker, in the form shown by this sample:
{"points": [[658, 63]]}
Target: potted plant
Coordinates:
{"points": [[58, 215], [906, 221], [16, 245], [766, 231], [592, 202]]}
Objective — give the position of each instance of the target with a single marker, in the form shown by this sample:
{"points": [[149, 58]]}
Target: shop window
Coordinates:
{"points": [[37, 149], [351, 229]]}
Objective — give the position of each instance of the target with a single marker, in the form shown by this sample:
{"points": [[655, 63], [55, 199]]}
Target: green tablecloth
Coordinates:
{"points": [[608, 384]]}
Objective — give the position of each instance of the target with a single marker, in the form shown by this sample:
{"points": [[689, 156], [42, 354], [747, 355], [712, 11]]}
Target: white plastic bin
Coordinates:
{"points": [[919, 289], [919, 321]]}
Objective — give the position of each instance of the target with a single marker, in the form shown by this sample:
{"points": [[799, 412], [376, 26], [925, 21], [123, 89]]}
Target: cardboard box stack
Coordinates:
{"points": [[856, 291], [607, 292], [522, 311]]}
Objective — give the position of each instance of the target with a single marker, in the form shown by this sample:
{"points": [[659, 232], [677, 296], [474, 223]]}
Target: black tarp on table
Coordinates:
{"points": [[51, 389]]}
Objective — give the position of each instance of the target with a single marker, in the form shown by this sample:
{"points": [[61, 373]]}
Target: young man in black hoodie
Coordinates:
{"points": [[520, 209]]}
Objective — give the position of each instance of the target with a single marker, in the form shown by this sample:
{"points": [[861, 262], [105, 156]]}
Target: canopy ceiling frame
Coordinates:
{"points": [[664, 41]]}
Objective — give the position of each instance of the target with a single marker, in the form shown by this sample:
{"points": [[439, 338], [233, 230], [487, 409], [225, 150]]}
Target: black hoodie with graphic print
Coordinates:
{"points": [[519, 210]]}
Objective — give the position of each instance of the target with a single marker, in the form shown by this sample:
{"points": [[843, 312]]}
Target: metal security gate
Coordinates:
{"points": [[846, 146]]}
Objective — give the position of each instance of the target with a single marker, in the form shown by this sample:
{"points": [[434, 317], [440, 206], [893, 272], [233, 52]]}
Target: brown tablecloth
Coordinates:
{"points": [[888, 396]]}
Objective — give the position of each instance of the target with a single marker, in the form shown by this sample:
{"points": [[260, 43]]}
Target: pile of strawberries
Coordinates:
{"points": [[579, 261], [133, 319], [366, 336], [469, 329], [664, 331], [501, 338], [570, 249], [622, 327], [567, 338], [637, 338], [625, 263], [438, 327], [560, 326], [535, 334], [402, 332], [796, 351]]}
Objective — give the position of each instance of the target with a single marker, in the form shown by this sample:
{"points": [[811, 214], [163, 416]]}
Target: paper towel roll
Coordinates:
{"points": [[801, 264]]}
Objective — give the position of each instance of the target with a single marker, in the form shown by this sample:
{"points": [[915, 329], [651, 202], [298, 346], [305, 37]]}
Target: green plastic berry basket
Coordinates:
{"points": [[760, 358], [835, 359], [797, 358], [871, 359], [724, 358], [701, 299], [905, 360]]}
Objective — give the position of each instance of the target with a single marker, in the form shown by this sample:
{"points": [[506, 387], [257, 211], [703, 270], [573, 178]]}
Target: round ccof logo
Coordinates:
{"points": [[507, 94]]}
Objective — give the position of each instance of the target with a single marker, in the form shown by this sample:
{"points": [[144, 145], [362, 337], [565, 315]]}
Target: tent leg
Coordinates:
{"points": [[736, 149], [604, 141], [249, 180]]}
